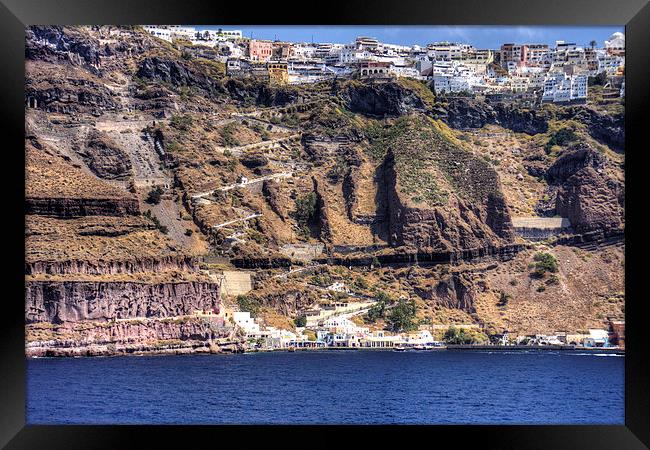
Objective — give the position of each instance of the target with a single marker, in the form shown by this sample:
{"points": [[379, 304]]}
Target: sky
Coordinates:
{"points": [[478, 35]]}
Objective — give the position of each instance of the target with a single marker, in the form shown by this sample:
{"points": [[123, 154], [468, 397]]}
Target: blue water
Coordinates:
{"points": [[337, 387]]}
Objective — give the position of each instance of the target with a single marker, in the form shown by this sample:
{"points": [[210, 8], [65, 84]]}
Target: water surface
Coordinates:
{"points": [[330, 387]]}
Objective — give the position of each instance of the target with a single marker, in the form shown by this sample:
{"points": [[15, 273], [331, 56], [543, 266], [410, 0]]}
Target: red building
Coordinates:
{"points": [[617, 332]]}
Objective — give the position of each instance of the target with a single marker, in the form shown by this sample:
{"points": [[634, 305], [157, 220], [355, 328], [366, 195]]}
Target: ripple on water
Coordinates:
{"points": [[330, 387]]}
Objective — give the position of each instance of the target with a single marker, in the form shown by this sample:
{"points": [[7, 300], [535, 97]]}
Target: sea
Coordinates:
{"points": [[330, 387]]}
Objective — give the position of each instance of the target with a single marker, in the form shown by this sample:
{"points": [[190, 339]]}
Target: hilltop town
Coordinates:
{"points": [[192, 190], [529, 73]]}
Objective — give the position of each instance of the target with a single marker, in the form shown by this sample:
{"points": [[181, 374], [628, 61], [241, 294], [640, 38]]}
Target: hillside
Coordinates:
{"points": [[144, 162]]}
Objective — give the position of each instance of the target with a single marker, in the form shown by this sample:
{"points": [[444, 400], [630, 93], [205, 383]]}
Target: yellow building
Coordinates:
{"points": [[278, 72]]}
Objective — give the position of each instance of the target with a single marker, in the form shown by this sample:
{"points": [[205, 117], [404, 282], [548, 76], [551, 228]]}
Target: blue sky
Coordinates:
{"points": [[479, 35]]}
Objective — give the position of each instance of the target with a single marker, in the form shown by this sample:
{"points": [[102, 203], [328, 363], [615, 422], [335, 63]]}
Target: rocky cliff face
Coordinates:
{"points": [[456, 292], [586, 195], [112, 267], [105, 158], [79, 207], [177, 74], [54, 43], [194, 335], [465, 113], [382, 99], [74, 301], [440, 197], [288, 301]]}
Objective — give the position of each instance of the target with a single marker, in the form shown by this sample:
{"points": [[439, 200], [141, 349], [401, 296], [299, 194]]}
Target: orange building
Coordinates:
{"points": [[278, 72]]}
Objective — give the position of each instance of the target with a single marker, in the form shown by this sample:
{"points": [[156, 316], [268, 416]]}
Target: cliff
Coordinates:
{"points": [[586, 194], [465, 113], [75, 301], [381, 99], [440, 196]]}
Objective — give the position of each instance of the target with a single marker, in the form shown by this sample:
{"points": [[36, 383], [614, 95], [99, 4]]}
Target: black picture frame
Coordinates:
{"points": [[16, 14]]}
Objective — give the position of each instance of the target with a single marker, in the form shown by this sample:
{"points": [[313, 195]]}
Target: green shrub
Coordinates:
{"points": [[188, 232], [227, 134], [454, 336], [504, 298], [249, 304], [182, 123], [402, 316], [305, 212], [544, 263], [154, 196], [561, 137], [360, 283], [300, 321]]}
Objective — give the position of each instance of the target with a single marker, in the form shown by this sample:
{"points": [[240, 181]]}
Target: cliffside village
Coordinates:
{"points": [[330, 325], [529, 73]]}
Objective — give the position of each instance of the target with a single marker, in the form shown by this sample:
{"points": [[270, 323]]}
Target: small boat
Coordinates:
{"points": [[419, 347], [399, 349], [292, 349]]}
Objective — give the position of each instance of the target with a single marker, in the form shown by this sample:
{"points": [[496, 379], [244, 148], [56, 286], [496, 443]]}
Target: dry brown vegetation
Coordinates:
{"points": [[94, 238]]}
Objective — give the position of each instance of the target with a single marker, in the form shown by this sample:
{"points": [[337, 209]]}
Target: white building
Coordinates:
{"points": [[520, 84], [225, 35], [338, 286], [350, 54], [597, 338], [302, 51], [559, 87], [159, 32], [379, 340], [609, 63], [344, 325], [247, 323], [276, 338], [448, 51], [616, 43]]}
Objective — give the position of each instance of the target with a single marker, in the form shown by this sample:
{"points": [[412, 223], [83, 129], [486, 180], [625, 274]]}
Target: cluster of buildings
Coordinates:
{"points": [[336, 331], [339, 331], [534, 73], [612, 337]]}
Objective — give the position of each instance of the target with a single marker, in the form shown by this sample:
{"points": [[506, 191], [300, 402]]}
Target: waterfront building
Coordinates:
{"points": [[617, 332], [247, 323], [276, 338], [421, 339], [597, 338], [379, 340]]}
